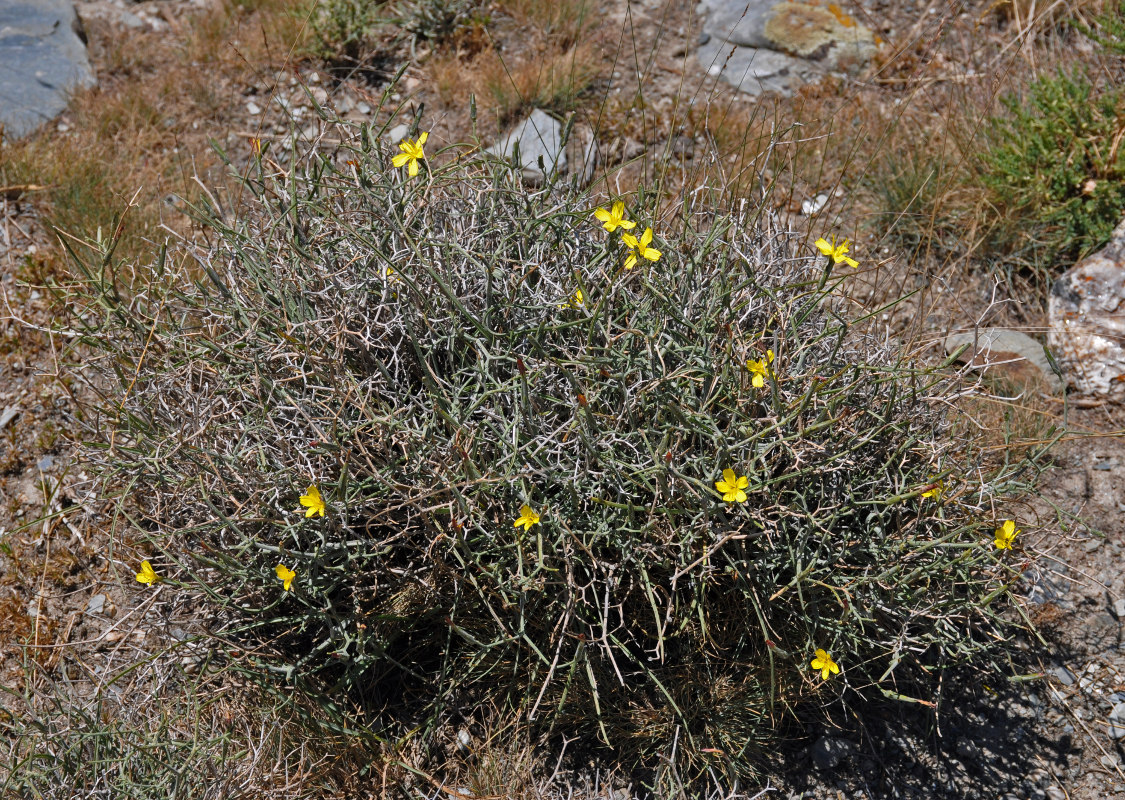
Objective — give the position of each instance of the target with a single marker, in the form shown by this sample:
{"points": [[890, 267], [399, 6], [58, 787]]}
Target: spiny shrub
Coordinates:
{"points": [[1055, 171], [448, 356]]}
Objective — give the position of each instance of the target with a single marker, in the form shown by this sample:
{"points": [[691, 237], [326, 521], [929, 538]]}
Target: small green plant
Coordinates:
{"points": [[433, 443], [1054, 171], [353, 32], [1109, 29]]}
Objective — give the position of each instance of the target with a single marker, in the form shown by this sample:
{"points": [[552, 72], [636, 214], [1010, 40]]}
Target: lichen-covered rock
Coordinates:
{"points": [[755, 70], [1087, 320], [766, 45]]}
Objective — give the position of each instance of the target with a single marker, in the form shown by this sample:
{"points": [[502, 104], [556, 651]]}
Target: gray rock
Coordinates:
{"points": [[1000, 351], [130, 20], [1055, 793], [42, 61], [45, 463], [755, 70], [1065, 676], [8, 415], [537, 137], [464, 741], [827, 751], [819, 39], [1119, 608], [1117, 722], [397, 133], [1047, 585], [1086, 313], [95, 604]]}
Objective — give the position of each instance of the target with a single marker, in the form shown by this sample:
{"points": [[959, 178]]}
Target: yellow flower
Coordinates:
{"points": [[312, 500], [639, 248], [732, 485], [527, 517], [614, 218], [836, 252], [577, 301], [147, 574], [936, 491], [1004, 535], [411, 153], [285, 575], [825, 664], [760, 369]]}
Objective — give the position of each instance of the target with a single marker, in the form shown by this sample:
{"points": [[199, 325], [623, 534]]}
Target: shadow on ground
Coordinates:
{"points": [[981, 741]]}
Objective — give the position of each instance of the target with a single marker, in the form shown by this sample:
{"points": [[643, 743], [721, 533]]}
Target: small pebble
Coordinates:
{"points": [[95, 604], [1117, 722]]}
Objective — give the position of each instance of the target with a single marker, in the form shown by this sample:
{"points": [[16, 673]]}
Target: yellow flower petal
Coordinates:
{"points": [[528, 517], [312, 500], [285, 575], [147, 575], [630, 262], [824, 664], [731, 486]]}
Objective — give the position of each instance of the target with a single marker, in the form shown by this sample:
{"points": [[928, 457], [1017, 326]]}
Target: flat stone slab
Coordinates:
{"points": [[42, 61], [1015, 355], [767, 45]]}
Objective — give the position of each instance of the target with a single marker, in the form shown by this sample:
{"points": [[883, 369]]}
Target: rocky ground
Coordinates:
{"points": [[71, 610]]}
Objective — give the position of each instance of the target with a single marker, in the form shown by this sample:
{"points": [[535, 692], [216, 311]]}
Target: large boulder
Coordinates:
{"points": [[1087, 320], [42, 61], [766, 45]]}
